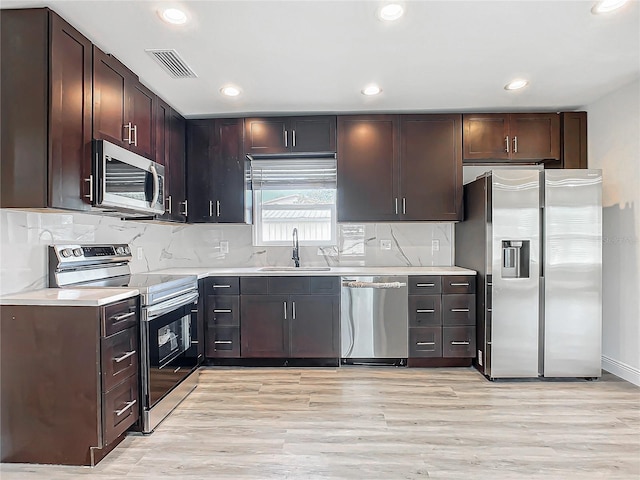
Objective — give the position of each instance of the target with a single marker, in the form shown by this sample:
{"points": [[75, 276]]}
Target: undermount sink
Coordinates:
{"points": [[294, 269]]}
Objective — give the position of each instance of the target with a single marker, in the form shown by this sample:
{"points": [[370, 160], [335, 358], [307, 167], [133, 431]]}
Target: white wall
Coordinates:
{"points": [[614, 147]]}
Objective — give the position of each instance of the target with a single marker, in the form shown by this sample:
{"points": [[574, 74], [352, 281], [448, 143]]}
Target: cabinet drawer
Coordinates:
{"points": [[120, 409], [458, 342], [459, 310], [459, 284], [222, 286], [119, 357], [288, 285], [425, 285], [119, 316], [223, 310], [223, 342], [425, 311], [254, 285], [425, 342], [324, 285]]}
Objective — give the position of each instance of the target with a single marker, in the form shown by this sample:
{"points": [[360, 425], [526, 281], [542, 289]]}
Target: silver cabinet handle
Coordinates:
{"points": [[459, 343], [465, 284], [425, 311], [222, 310], [90, 180], [425, 343], [128, 137], [396, 200], [404, 205], [186, 208], [285, 139], [169, 202], [223, 342], [506, 143], [515, 144], [293, 134], [217, 208], [210, 208], [125, 408], [285, 310], [125, 356], [459, 310], [177, 370], [293, 307], [135, 135], [215, 285], [425, 284], [194, 342], [124, 316]]}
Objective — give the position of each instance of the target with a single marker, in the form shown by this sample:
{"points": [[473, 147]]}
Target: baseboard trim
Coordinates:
{"points": [[622, 370]]}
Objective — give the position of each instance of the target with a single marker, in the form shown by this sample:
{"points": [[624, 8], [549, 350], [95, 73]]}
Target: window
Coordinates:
{"points": [[294, 193]]}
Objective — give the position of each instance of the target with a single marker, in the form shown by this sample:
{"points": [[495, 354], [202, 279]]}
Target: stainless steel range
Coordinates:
{"points": [[168, 313]]}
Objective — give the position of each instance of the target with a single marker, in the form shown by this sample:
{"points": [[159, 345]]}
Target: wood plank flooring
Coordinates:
{"points": [[380, 423]]}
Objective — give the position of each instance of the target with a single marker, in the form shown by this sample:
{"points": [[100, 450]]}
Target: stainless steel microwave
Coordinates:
{"points": [[125, 182]]}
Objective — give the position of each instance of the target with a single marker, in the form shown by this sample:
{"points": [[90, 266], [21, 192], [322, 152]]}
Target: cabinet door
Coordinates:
{"points": [[535, 136], [109, 99], [367, 173], [264, 324], [70, 117], [314, 326], [431, 167], [162, 151], [573, 136], [142, 104], [313, 134], [229, 172], [485, 137], [177, 180], [266, 135], [200, 176]]}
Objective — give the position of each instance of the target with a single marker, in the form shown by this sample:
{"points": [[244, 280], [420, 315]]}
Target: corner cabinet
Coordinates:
{"points": [[76, 390], [514, 137], [399, 167], [216, 171], [45, 132], [283, 135]]}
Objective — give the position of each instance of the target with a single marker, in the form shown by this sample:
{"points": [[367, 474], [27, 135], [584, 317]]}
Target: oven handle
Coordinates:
{"points": [[157, 310]]}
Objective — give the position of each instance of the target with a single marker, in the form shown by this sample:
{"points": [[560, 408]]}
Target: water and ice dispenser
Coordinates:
{"points": [[515, 258]]}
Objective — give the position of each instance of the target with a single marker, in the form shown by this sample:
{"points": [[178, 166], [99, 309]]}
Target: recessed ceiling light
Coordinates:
{"points": [[391, 12], [606, 6], [516, 84], [230, 91], [371, 90], [173, 15]]}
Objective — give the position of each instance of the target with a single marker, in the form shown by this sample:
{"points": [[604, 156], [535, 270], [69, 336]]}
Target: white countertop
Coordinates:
{"points": [[203, 272], [69, 297]]}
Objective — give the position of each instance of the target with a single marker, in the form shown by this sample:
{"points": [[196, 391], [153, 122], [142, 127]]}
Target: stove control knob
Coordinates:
{"points": [[77, 252], [66, 252], [127, 250]]}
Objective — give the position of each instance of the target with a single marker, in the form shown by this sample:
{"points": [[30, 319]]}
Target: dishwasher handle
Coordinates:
{"points": [[381, 285]]}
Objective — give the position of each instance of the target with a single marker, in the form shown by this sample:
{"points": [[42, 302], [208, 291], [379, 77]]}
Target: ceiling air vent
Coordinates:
{"points": [[172, 63]]}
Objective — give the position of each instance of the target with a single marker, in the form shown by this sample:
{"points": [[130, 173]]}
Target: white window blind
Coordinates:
{"points": [[294, 174]]}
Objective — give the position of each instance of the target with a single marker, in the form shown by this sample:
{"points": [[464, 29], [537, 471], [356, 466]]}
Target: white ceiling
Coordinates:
{"points": [[316, 56]]}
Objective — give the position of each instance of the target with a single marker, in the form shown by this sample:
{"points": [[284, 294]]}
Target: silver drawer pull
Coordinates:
{"points": [[223, 342], [221, 286], [425, 311], [125, 356], [459, 343], [459, 284], [124, 316], [425, 343], [194, 342], [125, 408], [177, 370], [222, 310], [459, 310], [425, 284]]}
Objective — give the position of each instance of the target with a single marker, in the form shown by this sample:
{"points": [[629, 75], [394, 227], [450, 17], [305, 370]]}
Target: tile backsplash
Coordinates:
{"points": [[24, 236]]}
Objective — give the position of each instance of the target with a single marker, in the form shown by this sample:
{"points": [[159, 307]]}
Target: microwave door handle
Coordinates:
{"points": [[156, 184]]}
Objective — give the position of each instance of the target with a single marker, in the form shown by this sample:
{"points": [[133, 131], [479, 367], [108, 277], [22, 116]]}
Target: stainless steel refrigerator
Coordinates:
{"points": [[535, 239]]}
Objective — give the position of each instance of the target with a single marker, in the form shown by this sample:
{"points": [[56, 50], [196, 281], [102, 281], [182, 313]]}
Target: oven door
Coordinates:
{"points": [[166, 335]]}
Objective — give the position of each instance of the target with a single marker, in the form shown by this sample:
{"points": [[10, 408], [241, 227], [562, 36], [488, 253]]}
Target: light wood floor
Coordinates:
{"points": [[380, 423]]}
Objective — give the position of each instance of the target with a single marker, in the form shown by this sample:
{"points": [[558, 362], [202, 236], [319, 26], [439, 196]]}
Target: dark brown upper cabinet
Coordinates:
{"points": [[399, 167], [573, 134], [511, 137], [123, 109], [177, 206], [216, 169], [290, 135], [46, 100]]}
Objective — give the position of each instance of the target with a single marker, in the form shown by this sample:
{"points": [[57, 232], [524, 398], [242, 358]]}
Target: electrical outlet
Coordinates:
{"points": [[435, 245], [140, 253], [385, 244], [224, 246]]}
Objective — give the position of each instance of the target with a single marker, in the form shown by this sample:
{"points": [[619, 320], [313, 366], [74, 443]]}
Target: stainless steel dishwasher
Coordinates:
{"points": [[374, 320]]}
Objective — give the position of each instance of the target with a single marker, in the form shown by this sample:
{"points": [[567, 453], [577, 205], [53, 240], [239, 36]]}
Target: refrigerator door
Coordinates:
{"points": [[572, 273], [515, 272]]}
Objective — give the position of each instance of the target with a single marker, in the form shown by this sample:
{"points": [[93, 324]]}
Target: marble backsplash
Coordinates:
{"points": [[24, 236]]}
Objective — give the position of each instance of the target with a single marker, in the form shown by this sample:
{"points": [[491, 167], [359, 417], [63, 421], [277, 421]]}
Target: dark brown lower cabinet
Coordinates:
{"points": [[221, 297], [68, 381], [264, 331], [314, 326]]}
